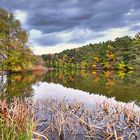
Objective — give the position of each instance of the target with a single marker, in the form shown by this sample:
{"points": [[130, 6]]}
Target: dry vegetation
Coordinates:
{"points": [[53, 119], [16, 120]]}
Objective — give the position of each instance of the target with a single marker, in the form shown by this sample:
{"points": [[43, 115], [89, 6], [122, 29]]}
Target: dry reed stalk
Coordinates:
{"points": [[63, 119]]}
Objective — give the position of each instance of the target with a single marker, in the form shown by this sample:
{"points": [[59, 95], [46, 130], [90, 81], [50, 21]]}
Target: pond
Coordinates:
{"points": [[74, 84]]}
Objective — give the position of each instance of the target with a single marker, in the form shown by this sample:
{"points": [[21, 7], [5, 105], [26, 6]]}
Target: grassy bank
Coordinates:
{"points": [[53, 119]]}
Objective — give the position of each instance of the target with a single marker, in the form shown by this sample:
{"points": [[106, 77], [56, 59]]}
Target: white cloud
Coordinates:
{"points": [[38, 50], [110, 34], [35, 33], [66, 36], [21, 16], [132, 12]]}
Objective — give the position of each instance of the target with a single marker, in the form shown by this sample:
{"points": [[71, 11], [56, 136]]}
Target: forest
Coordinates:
{"points": [[122, 53]]}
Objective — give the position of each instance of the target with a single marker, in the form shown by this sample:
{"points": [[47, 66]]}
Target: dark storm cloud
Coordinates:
{"points": [[50, 16], [49, 40], [136, 28]]}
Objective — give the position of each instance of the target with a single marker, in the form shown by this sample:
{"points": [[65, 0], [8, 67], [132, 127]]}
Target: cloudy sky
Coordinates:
{"points": [[55, 25]]}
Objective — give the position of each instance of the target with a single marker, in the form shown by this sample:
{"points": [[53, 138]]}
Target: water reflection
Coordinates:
{"points": [[124, 86], [18, 85], [119, 84]]}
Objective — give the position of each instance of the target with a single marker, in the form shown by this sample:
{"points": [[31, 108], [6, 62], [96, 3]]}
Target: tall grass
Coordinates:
{"points": [[16, 121]]}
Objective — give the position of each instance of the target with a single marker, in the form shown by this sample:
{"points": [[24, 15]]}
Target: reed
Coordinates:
{"points": [[71, 120], [16, 121], [62, 119]]}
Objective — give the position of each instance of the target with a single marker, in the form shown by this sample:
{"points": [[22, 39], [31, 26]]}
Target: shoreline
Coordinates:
{"points": [[45, 69], [40, 68]]}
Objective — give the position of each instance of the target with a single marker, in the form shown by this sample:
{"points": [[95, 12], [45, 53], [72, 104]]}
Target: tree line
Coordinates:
{"points": [[122, 53]]}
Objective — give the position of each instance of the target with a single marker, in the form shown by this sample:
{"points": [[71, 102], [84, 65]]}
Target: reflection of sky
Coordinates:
{"points": [[56, 91]]}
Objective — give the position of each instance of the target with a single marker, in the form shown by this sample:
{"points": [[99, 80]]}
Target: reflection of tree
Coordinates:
{"points": [[107, 78], [19, 85], [84, 73], [110, 78], [121, 74], [3, 84], [108, 83]]}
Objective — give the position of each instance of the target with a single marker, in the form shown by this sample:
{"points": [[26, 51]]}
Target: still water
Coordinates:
{"points": [[80, 84]]}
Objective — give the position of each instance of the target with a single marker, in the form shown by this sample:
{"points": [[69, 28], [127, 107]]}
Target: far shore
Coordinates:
{"points": [[40, 68], [37, 68]]}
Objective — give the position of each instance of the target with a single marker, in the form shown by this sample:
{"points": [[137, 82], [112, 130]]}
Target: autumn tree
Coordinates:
{"points": [[14, 52], [122, 53]]}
